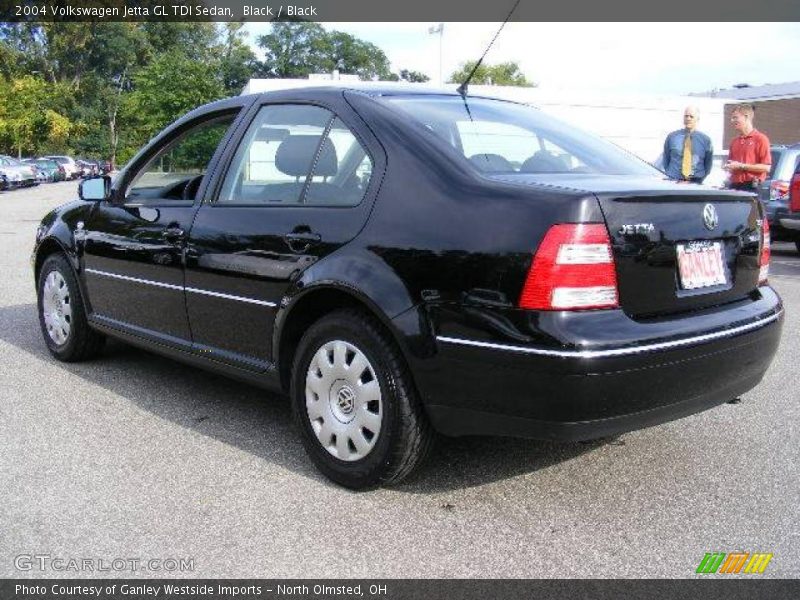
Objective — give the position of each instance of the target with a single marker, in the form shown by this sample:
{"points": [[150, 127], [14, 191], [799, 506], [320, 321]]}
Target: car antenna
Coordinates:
{"points": [[462, 89]]}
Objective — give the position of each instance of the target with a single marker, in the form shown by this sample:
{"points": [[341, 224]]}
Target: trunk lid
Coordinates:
{"points": [[717, 234]]}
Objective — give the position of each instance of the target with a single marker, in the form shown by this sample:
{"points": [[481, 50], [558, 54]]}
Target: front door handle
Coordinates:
{"points": [[174, 234]]}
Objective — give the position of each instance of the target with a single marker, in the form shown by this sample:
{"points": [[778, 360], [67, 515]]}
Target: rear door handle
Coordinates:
{"points": [[304, 236], [301, 241]]}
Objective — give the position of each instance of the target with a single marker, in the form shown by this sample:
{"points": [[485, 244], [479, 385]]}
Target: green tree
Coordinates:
{"points": [[351, 55], [164, 90], [237, 61], [413, 76], [295, 49], [102, 89], [196, 41], [29, 120], [507, 73], [23, 50]]}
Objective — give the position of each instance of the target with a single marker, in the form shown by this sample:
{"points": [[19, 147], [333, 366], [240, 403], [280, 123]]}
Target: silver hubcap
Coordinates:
{"points": [[57, 307], [343, 400]]}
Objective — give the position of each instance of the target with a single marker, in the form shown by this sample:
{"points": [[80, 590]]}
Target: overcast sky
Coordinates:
{"points": [[609, 57]]}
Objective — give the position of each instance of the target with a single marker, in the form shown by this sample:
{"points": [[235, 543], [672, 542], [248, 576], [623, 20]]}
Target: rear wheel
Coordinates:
{"points": [[354, 403], [62, 314]]}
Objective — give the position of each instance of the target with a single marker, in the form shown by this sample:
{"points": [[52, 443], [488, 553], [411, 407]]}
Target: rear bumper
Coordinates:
{"points": [[492, 388]]}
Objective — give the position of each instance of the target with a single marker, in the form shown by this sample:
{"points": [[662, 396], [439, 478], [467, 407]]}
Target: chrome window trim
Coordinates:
{"points": [[616, 351], [171, 286]]}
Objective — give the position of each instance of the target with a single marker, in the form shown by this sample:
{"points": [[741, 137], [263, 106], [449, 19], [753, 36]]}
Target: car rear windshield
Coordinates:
{"points": [[505, 137]]}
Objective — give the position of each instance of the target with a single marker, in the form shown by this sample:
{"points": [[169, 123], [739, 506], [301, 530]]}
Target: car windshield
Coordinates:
{"points": [[505, 137]]}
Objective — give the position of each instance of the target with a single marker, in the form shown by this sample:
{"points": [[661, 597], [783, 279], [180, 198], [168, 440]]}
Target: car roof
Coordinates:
{"points": [[374, 89], [369, 88]]}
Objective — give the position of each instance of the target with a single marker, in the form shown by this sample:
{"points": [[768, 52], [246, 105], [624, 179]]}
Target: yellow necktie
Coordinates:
{"points": [[686, 165]]}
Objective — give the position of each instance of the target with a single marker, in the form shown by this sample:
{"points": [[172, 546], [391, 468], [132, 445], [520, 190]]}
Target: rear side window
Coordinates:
{"points": [[297, 154]]}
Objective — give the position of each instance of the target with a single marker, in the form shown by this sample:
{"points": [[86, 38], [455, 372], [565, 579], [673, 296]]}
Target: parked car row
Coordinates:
{"points": [[46, 169], [16, 173], [77, 168]]}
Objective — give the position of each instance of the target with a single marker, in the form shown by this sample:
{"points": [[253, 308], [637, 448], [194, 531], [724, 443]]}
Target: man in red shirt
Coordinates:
{"points": [[749, 158]]}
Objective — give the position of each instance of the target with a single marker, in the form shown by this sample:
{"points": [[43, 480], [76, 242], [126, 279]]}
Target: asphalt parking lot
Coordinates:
{"points": [[135, 456]]}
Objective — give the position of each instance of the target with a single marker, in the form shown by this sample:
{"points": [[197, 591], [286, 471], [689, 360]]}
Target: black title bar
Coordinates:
{"points": [[393, 11]]}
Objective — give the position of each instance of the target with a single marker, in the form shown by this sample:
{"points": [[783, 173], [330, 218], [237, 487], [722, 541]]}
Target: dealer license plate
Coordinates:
{"points": [[700, 265]]}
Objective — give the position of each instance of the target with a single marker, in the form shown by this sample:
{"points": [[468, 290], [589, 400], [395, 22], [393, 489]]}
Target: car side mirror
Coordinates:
{"points": [[95, 188]]}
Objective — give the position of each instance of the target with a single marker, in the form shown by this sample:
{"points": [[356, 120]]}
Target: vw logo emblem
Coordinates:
{"points": [[710, 218], [346, 399]]}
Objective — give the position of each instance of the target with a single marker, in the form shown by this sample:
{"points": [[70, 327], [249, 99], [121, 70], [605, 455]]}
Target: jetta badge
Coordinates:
{"points": [[637, 228], [710, 218]]}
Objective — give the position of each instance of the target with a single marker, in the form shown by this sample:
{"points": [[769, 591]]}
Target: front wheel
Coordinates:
{"points": [[355, 404], [62, 314]]}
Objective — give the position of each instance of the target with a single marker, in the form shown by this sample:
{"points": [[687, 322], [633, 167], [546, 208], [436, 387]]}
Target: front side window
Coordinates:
{"points": [[297, 154], [175, 171], [505, 137]]}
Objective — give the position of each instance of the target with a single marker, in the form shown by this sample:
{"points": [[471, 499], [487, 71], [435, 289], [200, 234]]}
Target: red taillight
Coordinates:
{"points": [[573, 269], [763, 271], [794, 193]]}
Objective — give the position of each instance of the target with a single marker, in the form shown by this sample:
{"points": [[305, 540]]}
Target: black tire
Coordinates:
{"points": [[82, 342], [405, 435], [797, 245]]}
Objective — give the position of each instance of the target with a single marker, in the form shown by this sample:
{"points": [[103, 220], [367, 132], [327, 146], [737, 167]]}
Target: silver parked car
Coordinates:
{"points": [[17, 173]]}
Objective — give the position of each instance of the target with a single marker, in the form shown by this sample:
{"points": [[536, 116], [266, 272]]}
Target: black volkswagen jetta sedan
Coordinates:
{"points": [[403, 262]]}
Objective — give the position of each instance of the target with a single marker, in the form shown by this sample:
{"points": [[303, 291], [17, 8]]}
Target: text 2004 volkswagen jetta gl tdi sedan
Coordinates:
{"points": [[403, 263]]}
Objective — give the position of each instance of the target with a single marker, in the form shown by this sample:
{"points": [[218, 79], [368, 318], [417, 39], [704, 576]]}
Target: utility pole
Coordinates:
{"points": [[440, 30]]}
